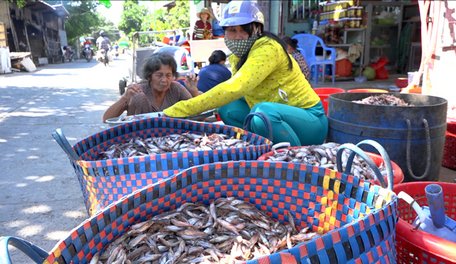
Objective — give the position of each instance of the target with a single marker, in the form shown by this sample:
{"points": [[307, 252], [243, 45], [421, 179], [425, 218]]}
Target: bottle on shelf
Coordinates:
{"points": [[315, 27]]}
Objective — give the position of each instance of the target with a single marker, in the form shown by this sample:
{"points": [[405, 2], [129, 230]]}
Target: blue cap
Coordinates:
{"points": [[238, 13]]}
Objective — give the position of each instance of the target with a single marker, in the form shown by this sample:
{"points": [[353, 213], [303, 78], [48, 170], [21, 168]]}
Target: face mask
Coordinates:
{"points": [[240, 47]]}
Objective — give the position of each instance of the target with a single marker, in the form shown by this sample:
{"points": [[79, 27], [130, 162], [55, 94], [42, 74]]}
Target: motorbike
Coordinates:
{"points": [[68, 54], [103, 57], [88, 52], [116, 51]]}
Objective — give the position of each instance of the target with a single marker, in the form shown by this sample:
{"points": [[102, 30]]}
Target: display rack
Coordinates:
{"points": [[383, 31], [344, 27], [352, 36]]}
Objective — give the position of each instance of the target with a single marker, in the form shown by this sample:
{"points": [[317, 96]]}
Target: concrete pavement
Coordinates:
{"points": [[40, 197]]}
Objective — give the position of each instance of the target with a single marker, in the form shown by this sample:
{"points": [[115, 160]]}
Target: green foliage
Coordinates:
{"points": [[132, 17], [84, 20], [178, 16], [161, 19], [19, 3], [136, 17]]}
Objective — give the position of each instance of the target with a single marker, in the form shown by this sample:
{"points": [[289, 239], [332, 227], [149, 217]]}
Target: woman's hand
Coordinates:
{"points": [[132, 89], [190, 83]]}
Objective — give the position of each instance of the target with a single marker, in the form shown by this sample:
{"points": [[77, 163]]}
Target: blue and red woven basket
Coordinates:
{"points": [[106, 181], [356, 219]]}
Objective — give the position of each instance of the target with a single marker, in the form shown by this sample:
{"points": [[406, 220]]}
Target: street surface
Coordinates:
{"points": [[40, 196]]}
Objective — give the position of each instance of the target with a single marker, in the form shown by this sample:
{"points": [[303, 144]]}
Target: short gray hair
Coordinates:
{"points": [[154, 63]]}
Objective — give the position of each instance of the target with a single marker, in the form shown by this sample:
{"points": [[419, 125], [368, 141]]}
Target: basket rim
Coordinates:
{"points": [[148, 123]]}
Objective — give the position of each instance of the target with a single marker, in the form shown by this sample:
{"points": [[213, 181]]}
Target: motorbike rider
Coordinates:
{"points": [[87, 45], [103, 43], [68, 53], [116, 49]]}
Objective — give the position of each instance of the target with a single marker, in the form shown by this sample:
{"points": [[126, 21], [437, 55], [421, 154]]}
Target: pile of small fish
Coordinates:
{"points": [[227, 231], [325, 156], [383, 99], [172, 143]]}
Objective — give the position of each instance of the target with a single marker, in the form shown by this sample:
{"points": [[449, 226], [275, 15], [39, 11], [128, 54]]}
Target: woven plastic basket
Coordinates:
{"points": [[105, 181], [356, 219], [413, 245], [397, 174]]}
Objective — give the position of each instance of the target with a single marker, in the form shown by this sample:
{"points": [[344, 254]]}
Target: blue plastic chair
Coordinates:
{"points": [[307, 44]]}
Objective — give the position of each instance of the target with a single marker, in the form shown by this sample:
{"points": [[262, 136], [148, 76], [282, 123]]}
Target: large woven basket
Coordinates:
{"points": [[105, 181], [356, 219]]}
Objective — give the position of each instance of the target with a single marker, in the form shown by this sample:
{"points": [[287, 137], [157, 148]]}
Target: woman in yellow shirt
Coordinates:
{"points": [[266, 86]]}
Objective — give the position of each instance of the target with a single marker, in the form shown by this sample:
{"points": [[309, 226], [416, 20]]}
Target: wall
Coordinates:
{"points": [[4, 15]]}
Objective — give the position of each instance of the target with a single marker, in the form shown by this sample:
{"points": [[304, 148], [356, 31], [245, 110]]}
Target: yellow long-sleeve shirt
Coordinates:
{"points": [[259, 80]]}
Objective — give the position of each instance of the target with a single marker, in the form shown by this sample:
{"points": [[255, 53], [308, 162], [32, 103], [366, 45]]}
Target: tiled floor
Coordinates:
{"points": [[377, 84], [446, 175]]}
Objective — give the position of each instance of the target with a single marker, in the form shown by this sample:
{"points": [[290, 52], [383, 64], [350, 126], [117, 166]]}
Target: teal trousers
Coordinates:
{"points": [[298, 126]]}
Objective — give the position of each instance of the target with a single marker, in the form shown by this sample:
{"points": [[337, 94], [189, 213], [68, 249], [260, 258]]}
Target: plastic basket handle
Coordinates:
{"points": [[280, 145], [37, 254], [409, 199], [64, 144], [265, 120], [356, 150], [386, 160]]}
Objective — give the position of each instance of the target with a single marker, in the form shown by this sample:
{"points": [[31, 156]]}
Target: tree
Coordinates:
{"points": [[84, 20], [132, 17], [177, 17], [162, 19], [19, 3], [83, 17]]}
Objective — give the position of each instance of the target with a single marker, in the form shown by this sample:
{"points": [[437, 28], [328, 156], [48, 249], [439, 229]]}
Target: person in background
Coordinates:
{"points": [[68, 53], [292, 48], [158, 91], [214, 73], [267, 90], [103, 45], [103, 42], [116, 49], [86, 45], [87, 42], [203, 28]]}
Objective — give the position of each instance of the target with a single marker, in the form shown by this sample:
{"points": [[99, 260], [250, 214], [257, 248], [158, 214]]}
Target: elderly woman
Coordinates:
{"points": [[267, 91], [158, 91]]}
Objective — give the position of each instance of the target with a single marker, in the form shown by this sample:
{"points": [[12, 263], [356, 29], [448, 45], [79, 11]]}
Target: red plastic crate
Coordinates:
{"points": [[416, 246]]}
